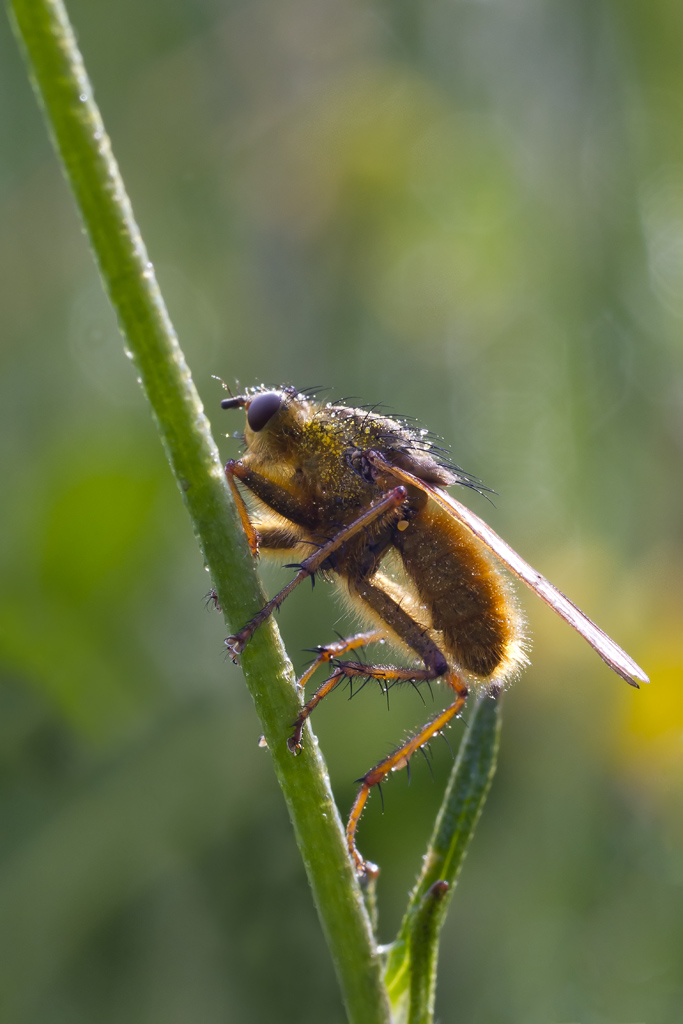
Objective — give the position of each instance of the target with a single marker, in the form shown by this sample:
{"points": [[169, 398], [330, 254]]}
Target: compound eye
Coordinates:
{"points": [[262, 408]]}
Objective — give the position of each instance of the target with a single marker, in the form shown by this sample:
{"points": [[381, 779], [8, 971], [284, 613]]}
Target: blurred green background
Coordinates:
{"points": [[473, 213]]}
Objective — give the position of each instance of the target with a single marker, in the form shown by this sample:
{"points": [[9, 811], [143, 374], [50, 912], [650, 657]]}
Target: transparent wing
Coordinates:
{"points": [[611, 653]]}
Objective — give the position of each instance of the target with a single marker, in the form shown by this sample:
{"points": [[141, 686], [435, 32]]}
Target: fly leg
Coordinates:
{"points": [[309, 566], [384, 674], [417, 637], [326, 654], [230, 473], [277, 498], [387, 675], [335, 650], [399, 759]]}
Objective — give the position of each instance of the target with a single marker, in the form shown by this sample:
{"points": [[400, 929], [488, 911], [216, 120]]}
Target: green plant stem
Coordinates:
{"points": [[78, 134], [410, 973]]}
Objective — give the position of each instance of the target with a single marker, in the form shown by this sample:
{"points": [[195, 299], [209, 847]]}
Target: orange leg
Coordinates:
{"points": [[399, 759], [337, 648], [310, 565], [349, 670], [325, 655], [385, 674], [230, 473]]}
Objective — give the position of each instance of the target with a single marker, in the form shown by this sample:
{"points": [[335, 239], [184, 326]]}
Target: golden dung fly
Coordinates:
{"points": [[352, 493]]}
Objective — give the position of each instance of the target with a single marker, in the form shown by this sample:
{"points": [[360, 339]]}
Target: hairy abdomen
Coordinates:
{"points": [[466, 597]]}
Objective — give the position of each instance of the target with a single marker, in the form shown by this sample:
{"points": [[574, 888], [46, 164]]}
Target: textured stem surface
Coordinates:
{"points": [[65, 94]]}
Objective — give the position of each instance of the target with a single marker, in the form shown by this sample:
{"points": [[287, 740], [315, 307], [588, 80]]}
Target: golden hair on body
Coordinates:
{"points": [[351, 492]]}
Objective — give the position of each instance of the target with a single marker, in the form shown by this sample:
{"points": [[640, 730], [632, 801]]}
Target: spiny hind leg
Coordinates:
{"points": [[384, 674], [384, 606], [417, 637], [399, 759], [328, 652], [324, 655], [387, 610]]}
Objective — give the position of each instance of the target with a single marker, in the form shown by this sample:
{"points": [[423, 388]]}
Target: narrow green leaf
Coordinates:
{"points": [[424, 948], [410, 973]]}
